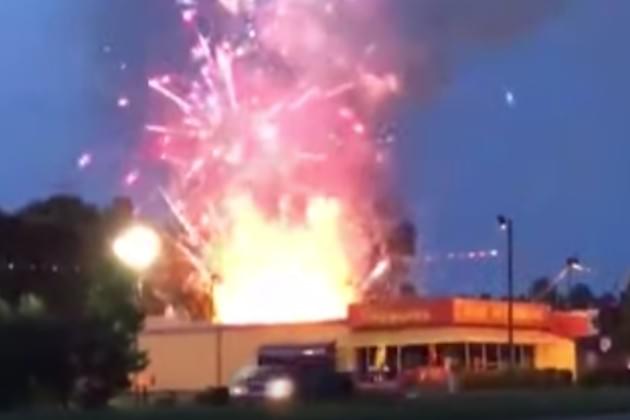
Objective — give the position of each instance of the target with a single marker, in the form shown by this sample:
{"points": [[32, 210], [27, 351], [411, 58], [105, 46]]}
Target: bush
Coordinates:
{"points": [[519, 379], [325, 384], [213, 396], [167, 400], [605, 377]]}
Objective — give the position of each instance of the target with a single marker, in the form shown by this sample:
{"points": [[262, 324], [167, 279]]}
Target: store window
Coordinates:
{"points": [[493, 360], [504, 355], [364, 357], [392, 361], [476, 360], [456, 352], [527, 357], [377, 364], [414, 356]]}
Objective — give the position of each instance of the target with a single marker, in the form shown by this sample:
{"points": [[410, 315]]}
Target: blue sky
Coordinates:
{"points": [[558, 161]]}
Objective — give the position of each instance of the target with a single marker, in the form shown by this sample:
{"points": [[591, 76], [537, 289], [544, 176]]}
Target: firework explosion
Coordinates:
{"points": [[274, 155]]}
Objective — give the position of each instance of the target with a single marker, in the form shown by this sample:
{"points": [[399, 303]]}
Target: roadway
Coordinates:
{"points": [[615, 417]]}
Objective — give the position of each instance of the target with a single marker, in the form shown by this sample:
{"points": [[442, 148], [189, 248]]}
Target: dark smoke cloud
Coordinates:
{"points": [[422, 38], [433, 33], [475, 20]]}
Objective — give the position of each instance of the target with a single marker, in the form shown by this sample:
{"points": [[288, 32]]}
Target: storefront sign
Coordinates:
{"points": [[372, 317], [405, 313], [482, 313], [447, 312], [574, 324]]}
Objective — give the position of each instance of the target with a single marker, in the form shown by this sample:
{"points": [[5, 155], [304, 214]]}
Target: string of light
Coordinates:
{"points": [[51, 268]]}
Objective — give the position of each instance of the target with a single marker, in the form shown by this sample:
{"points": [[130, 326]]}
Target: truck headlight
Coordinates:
{"points": [[280, 389], [238, 391]]}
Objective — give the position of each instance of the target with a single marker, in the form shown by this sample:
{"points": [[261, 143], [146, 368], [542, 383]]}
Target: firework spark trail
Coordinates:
{"points": [[180, 102], [267, 160], [280, 109], [224, 61]]}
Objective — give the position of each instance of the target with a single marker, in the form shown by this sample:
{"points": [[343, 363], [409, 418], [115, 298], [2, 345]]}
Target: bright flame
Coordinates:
{"points": [[278, 271]]}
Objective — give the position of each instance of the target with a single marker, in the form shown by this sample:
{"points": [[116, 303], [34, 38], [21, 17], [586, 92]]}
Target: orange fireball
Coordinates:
{"points": [[276, 271]]}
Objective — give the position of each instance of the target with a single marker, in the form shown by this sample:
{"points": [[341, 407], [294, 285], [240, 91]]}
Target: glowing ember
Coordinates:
{"points": [[270, 157], [131, 178], [84, 161], [123, 102]]}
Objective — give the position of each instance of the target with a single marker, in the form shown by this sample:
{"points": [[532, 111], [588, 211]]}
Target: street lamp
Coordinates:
{"points": [[138, 247], [574, 263], [506, 224]]}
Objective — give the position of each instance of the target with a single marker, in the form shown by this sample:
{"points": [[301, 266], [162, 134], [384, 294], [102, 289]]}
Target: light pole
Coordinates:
{"points": [[219, 333], [138, 247], [506, 224], [219, 353], [572, 264]]}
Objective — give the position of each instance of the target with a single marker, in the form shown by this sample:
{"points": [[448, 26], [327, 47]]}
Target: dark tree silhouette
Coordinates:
{"points": [[581, 297], [68, 316], [607, 300], [619, 322], [408, 290], [543, 290], [402, 239]]}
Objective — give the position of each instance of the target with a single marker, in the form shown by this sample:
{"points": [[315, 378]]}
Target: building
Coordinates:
{"points": [[399, 335]]}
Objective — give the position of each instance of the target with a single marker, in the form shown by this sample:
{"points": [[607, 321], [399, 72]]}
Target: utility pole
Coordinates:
{"points": [[572, 264], [507, 225], [219, 353]]}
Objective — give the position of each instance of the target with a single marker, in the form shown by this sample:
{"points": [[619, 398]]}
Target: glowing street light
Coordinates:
{"points": [[504, 222], [574, 263], [138, 247]]}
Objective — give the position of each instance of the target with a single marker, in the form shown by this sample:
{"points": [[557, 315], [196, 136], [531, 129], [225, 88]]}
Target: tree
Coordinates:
{"points": [[402, 239], [117, 216], [5, 310], [607, 320], [34, 355], [543, 290], [68, 314], [621, 332], [581, 297], [31, 306], [408, 290], [608, 299], [77, 224], [107, 351]]}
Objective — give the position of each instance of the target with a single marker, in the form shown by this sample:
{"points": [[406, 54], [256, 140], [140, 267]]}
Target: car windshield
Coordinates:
{"points": [[257, 372]]}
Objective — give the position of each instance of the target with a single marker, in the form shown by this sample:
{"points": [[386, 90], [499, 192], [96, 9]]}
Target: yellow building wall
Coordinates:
{"points": [[182, 361], [558, 354], [183, 357]]}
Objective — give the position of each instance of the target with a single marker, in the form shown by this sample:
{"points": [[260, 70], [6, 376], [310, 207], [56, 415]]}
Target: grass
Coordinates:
{"points": [[485, 406]]}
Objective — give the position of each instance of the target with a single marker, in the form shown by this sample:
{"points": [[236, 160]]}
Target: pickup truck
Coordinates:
{"points": [[291, 372]]}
